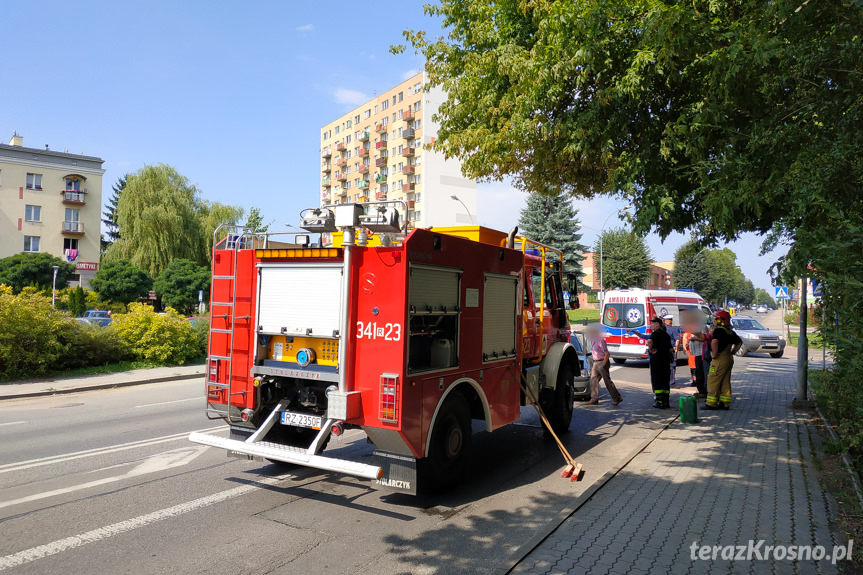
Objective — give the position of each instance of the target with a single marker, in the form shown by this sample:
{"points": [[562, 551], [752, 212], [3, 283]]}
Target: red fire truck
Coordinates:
{"points": [[408, 337]]}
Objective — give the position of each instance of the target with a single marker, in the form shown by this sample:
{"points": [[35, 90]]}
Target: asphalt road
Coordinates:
{"points": [[106, 482]]}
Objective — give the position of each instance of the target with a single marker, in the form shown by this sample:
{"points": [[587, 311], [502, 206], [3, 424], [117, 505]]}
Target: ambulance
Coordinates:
{"points": [[626, 315]]}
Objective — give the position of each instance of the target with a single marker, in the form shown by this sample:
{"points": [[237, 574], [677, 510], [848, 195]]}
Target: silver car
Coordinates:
{"points": [[582, 380], [757, 338]]}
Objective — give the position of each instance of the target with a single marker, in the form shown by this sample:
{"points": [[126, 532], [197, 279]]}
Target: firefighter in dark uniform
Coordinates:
{"points": [[659, 351], [724, 345]]}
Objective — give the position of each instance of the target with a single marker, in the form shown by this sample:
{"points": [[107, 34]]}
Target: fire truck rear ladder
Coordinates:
{"points": [[254, 446], [231, 242]]}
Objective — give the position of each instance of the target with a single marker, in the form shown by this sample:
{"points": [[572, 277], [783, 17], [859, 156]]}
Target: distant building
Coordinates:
{"points": [[661, 273], [375, 152], [51, 202]]}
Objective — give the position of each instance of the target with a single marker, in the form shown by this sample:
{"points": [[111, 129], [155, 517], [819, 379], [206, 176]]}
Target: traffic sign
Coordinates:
{"points": [[816, 290], [781, 293]]}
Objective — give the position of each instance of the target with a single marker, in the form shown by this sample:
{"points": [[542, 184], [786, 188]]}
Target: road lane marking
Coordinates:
{"points": [[156, 463], [169, 402], [21, 465], [12, 423], [95, 535]]}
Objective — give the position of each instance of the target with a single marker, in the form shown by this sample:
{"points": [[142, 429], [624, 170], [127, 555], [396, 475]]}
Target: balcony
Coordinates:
{"points": [[408, 115], [340, 146], [380, 195], [363, 152], [325, 197], [363, 185], [73, 228], [409, 169], [380, 128], [409, 188], [364, 136], [363, 169], [74, 197], [409, 152], [341, 176], [341, 162], [409, 134], [382, 145], [381, 162], [381, 178], [327, 153], [326, 182], [364, 198], [326, 168]]}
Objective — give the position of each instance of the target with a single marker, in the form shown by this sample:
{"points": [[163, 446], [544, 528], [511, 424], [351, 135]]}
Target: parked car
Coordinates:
{"points": [[582, 380], [96, 317], [195, 320], [762, 309], [757, 338]]}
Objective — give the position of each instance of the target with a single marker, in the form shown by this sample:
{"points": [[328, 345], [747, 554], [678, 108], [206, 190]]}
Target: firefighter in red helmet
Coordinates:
{"points": [[724, 345]]}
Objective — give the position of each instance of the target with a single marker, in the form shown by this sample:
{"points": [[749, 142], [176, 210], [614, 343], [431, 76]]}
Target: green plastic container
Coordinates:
{"points": [[688, 410]]}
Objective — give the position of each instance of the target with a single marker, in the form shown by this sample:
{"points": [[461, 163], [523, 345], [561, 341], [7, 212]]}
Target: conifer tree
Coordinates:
{"points": [[553, 221]]}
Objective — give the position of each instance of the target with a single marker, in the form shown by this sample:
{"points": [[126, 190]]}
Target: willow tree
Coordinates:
{"points": [[161, 217]]}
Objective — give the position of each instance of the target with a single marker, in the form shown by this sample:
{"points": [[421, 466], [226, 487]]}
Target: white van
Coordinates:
{"points": [[626, 315]]}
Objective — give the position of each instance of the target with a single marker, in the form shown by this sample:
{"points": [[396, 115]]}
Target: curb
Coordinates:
{"points": [[99, 386], [519, 554]]}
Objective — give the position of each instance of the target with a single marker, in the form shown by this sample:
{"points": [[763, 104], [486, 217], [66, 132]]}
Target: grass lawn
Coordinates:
{"points": [[107, 368], [579, 315], [814, 341]]}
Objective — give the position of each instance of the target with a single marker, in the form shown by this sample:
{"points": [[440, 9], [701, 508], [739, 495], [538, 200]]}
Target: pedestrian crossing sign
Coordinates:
{"points": [[781, 293]]}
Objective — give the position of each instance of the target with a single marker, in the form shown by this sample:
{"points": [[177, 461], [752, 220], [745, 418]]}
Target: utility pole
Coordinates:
{"points": [[802, 398]]}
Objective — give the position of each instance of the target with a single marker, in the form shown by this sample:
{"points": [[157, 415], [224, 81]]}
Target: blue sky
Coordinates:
{"points": [[232, 94]]}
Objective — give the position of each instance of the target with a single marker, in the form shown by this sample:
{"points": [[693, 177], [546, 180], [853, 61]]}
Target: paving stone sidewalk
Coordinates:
{"points": [[738, 475]]}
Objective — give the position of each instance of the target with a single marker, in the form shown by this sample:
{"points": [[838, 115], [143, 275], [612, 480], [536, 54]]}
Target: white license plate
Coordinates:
{"points": [[302, 420]]}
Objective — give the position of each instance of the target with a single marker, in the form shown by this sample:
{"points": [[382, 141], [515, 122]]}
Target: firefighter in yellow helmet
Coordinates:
{"points": [[724, 345]]}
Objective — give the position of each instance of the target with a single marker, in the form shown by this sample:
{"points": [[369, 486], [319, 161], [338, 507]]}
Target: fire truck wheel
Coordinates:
{"points": [[559, 411], [447, 458]]}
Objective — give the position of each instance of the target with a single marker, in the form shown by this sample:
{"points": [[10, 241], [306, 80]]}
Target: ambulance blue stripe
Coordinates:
{"points": [[624, 330]]}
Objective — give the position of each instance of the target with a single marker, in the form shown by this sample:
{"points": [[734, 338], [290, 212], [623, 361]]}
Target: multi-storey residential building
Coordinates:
{"points": [[660, 276], [51, 202], [375, 152]]}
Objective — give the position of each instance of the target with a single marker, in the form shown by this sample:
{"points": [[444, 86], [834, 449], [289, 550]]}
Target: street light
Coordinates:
{"points": [[54, 287], [456, 198], [601, 233]]}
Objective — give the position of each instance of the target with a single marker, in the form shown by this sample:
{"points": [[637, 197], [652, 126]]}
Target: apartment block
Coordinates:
{"points": [[376, 152], [51, 202]]}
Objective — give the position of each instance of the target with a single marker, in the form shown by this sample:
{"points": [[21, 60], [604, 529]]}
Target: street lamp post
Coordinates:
{"points": [[456, 198], [54, 287]]}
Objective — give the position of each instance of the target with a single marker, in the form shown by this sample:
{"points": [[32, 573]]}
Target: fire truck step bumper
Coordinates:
{"points": [[295, 455]]}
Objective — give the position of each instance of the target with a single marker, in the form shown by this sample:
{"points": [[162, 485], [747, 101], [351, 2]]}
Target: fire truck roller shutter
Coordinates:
{"points": [[296, 298], [556, 355], [499, 317], [433, 297]]}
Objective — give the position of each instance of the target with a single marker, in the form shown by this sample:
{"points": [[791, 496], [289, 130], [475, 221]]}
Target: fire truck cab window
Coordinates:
{"points": [[434, 318], [549, 289]]}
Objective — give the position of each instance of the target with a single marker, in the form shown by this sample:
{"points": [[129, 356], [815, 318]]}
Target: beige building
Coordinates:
{"points": [[375, 152], [51, 202]]}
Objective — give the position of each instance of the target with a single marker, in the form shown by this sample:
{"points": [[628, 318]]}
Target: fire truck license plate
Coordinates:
{"points": [[302, 420]]}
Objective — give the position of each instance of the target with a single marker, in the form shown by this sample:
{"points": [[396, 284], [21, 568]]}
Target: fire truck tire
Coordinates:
{"points": [[559, 408], [447, 457], [620, 360]]}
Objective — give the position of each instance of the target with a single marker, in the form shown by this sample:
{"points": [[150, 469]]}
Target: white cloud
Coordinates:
{"points": [[305, 28], [352, 97], [410, 73]]}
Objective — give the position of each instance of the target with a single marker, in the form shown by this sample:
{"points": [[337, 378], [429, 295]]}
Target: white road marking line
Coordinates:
{"points": [[160, 462], [169, 402], [61, 545], [12, 423], [21, 465]]}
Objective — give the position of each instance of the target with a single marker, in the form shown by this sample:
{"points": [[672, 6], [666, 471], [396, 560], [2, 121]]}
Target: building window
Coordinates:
{"points": [[337, 129], [417, 105], [73, 185], [417, 197], [417, 87], [73, 216], [401, 96], [357, 119], [384, 105], [31, 243], [385, 121], [417, 181], [33, 213], [70, 244], [348, 124], [367, 115], [348, 139], [417, 124], [417, 215], [376, 108], [34, 182]]}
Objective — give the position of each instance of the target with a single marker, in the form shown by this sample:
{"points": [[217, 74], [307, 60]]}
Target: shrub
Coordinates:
{"points": [[92, 345], [166, 338], [34, 337], [202, 332]]}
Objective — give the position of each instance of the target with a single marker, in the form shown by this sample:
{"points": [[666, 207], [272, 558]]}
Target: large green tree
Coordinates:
{"points": [[179, 284], [552, 220], [625, 259], [25, 269], [161, 217], [121, 281]]}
